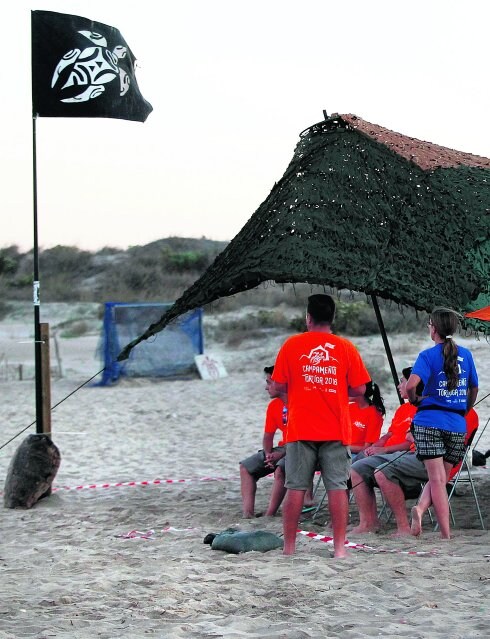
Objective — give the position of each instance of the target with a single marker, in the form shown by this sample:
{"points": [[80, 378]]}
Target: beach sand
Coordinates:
{"points": [[68, 571]]}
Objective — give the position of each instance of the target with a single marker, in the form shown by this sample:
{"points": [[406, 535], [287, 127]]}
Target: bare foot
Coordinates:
{"points": [[416, 523], [404, 532], [341, 554], [362, 528]]}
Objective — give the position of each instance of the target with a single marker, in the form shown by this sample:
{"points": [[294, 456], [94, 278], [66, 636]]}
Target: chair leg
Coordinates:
{"points": [[316, 509], [472, 484], [454, 483], [384, 508], [320, 504]]}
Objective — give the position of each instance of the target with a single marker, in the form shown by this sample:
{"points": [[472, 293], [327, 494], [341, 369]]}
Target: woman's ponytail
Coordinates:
{"points": [[445, 322], [451, 368]]}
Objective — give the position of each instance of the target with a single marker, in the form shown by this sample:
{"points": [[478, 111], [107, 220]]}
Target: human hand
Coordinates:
{"points": [[272, 458], [269, 460], [372, 450]]}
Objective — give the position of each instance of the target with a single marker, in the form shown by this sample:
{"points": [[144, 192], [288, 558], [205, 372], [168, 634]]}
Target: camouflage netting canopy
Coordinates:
{"points": [[363, 208]]}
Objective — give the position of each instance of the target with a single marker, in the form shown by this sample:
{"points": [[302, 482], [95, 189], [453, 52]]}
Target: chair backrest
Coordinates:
{"points": [[470, 436]]}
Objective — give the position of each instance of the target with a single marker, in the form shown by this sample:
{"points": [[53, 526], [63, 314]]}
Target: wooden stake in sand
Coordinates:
{"points": [[46, 380]]}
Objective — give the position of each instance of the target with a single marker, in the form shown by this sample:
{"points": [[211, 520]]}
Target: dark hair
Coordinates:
{"points": [[406, 372], [321, 307], [446, 322], [268, 370], [373, 396]]}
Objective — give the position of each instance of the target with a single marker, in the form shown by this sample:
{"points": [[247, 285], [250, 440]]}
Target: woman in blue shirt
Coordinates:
{"points": [[450, 389]]}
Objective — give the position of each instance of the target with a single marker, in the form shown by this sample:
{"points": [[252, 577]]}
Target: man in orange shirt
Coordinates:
{"points": [[318, 370]]}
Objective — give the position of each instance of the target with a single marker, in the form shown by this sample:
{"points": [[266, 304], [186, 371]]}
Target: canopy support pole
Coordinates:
{"points": [[387, 346]]}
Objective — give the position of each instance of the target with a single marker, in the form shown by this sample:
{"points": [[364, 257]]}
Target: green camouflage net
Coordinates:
{"points": [[366, 209]]}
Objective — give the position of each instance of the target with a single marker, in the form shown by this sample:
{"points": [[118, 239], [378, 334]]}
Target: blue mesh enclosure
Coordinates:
{"points": [[170, 354]]}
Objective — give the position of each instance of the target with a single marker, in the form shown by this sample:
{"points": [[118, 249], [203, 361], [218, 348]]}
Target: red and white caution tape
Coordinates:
{"points": [[350, 544], [150, 534], [137, 534], [153, 482]]}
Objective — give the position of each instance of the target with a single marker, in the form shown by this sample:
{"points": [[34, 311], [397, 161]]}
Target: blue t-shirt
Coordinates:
{"points": [[429, 367]]}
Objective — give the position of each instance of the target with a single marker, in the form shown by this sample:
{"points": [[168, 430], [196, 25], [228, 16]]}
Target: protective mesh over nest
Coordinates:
{"points": [[368, 209]]}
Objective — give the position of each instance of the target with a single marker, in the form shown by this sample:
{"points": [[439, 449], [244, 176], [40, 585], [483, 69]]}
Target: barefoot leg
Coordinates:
{"points": [[416, 523]]}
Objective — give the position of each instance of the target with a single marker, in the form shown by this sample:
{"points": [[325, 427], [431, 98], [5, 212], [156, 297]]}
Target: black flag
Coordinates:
{"points": [[82, 69]]}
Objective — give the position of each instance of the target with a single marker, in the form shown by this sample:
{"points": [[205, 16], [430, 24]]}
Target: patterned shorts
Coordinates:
{"points": [[435, 442]]}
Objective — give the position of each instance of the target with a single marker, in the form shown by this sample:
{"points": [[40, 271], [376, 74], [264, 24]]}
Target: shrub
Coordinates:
{"points": [[236, 337], [255, 324], [69, 260], [381, 375], [357, 318], [9, 260], [75, 328], [5, 309], [186, 261], [22, 281]]}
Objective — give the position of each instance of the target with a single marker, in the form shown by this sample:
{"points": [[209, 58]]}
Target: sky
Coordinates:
{"points": [[232, 85]]}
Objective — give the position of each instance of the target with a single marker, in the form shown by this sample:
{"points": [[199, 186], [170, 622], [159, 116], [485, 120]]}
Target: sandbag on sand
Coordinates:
{"points": [[237, 541], [31, 472]]}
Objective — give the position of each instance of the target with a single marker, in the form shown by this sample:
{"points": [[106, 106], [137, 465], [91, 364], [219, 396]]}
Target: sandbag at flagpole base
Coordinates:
{"points": [[31, 472]]}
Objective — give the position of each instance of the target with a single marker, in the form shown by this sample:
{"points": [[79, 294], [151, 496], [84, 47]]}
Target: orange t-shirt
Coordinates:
{"points": [[276, 418], [400, 424], [318, 369], [366, 424]]}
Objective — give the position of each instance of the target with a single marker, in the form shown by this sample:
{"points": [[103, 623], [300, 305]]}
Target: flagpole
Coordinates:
{"points": [[35, 293], [52, 34]]}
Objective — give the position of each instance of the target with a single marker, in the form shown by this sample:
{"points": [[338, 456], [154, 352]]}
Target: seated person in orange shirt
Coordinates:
{"points": [[271, 458], [366, 413], [388, 447]]}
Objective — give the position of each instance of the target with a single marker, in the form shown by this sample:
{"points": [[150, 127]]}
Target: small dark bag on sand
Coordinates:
{"points": [[479, 459], [237, 541]]}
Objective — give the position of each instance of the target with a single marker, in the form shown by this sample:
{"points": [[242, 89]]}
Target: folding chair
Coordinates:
{"points": [[315, 509], [456, 478], [481, 432], [409, 493]]}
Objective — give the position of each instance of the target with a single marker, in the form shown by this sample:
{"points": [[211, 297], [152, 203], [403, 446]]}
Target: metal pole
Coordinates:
{"points": [[35, 295], [386, 345]]}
